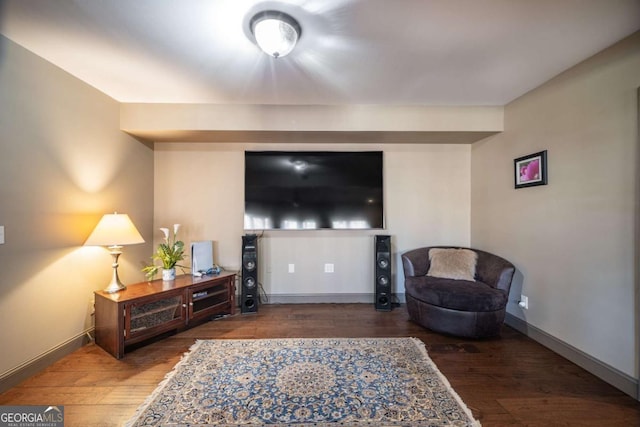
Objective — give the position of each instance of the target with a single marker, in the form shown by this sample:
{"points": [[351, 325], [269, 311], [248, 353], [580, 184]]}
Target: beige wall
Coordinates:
{"points": [[63, 163], [354, 118], [317, 123], [427, 201], [573, 241]]}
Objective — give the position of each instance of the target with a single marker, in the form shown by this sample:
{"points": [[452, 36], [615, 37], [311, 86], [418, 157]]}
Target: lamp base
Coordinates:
{"points": [[115, 285]]}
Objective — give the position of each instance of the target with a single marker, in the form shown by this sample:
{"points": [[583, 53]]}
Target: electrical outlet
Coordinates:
{"points": [[328, 268], [524, 302], [292, 268]]}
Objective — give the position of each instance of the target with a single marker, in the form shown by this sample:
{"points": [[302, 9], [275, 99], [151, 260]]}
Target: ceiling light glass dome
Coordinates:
{"points": [[276, 33]]}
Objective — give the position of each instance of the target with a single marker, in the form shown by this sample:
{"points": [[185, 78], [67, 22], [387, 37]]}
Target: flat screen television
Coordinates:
{"points": [[306, 190]]}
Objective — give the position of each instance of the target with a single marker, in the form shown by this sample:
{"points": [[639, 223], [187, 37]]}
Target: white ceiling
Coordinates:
{"points": [[400, 52]]}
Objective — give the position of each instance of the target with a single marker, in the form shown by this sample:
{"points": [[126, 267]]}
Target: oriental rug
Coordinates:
{"points": [[305, 382]]}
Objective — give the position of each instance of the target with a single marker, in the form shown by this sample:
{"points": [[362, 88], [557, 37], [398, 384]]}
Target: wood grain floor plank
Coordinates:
{"points": [[507, 381]]}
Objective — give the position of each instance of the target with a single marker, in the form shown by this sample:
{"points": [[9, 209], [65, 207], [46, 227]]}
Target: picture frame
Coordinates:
{"points": [[530, 170]]}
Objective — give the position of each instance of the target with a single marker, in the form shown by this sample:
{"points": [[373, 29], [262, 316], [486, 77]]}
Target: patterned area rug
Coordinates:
{"points": [[305, 382]]}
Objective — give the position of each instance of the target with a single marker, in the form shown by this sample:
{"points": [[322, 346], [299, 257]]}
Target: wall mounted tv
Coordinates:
{"points": [[302, 190]]}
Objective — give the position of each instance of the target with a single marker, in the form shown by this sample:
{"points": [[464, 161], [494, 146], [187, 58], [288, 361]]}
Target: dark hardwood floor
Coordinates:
{"points": [[508, 381]]}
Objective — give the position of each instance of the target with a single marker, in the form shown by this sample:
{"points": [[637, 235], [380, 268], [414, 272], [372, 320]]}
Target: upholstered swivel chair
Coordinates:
{"points": [[470, 306]]}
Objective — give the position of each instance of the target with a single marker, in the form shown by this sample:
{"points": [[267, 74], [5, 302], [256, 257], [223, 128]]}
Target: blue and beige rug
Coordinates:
{"points": [[305, 382]]}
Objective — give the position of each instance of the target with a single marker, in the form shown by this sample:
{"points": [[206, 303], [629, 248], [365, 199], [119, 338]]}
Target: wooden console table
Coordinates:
{"points": [[147, 309]]}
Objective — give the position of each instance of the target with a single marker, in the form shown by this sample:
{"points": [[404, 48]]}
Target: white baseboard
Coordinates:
{"points": [[609, 374], [31, 367]]}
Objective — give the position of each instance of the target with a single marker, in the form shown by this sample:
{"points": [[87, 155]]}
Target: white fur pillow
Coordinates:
{"points": [[457, 264]]}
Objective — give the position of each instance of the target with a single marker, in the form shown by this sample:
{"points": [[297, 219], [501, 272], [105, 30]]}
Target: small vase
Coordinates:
{"points": [[168, 273]]}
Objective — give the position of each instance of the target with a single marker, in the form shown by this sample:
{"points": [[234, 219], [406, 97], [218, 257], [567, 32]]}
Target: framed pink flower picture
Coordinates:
{"points": [[530, 170]]}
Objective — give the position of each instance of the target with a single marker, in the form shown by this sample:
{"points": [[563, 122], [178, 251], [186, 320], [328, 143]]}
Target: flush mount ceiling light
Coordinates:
{"points": [[275, 32]]}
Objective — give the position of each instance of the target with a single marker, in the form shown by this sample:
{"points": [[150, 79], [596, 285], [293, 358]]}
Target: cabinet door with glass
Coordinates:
{"points": [[210, 299], [147, 317]]}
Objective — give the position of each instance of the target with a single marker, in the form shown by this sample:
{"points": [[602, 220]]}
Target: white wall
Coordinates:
{"points": [[63, 164], [573, 240], [427, 202]]}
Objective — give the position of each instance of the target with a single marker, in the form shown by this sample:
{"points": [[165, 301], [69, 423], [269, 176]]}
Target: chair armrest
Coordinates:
{"points": [[416, 262], [495, 271]]}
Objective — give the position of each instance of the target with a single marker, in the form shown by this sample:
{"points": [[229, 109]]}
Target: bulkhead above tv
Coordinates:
{"points": [[307, 190]]}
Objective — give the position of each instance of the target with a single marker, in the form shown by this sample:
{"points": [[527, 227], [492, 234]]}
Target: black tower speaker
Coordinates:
{"points": [[383, 273], [249, 297]]}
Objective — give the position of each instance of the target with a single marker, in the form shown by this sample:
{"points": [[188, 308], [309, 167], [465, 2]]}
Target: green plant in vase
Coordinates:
{"points": [[168, 253]]}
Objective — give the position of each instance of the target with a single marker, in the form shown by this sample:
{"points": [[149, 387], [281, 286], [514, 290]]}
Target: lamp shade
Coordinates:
{"points": [[114, 230]]}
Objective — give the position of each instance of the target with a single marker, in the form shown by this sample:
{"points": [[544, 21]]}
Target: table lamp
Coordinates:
{"points": [[114, 230]]}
